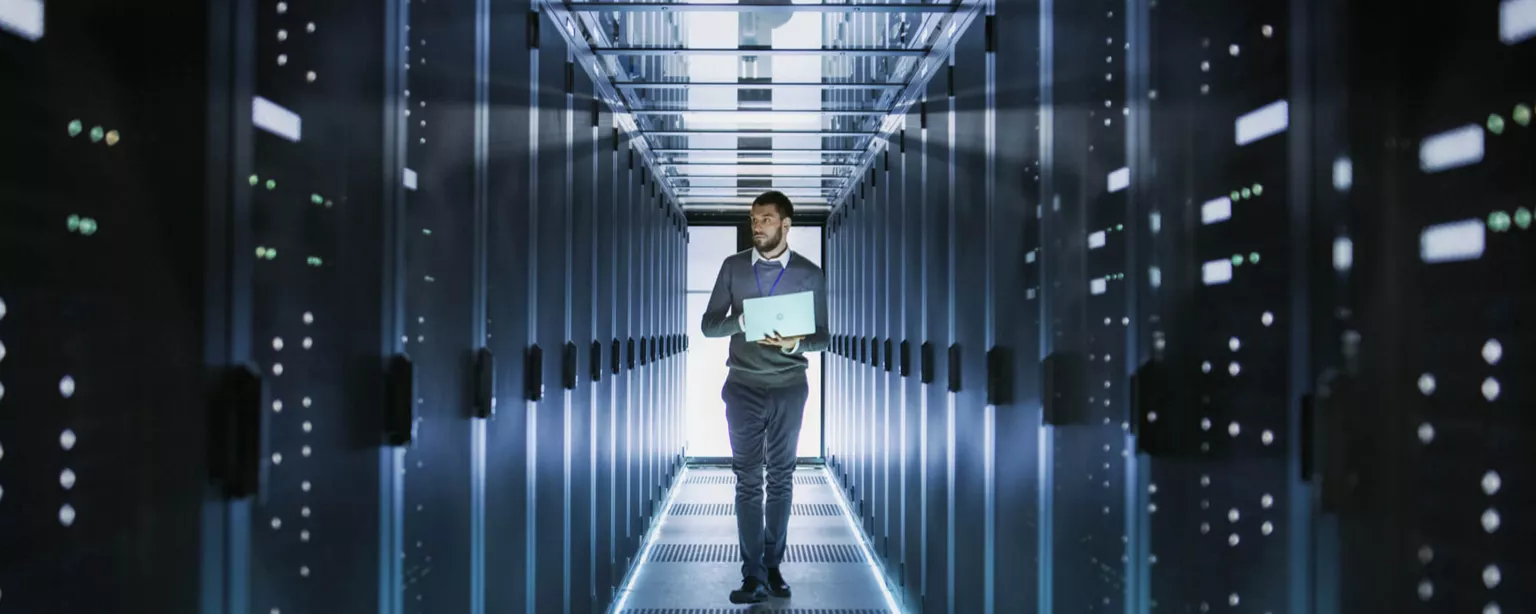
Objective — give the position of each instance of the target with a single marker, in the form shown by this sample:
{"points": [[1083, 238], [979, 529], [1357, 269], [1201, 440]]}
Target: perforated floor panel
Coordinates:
{"points": [[694, 561], [728, 479], [729, 509]]}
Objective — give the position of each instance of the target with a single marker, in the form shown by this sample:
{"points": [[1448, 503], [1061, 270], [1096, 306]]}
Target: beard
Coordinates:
{"points": [[768, 242]]}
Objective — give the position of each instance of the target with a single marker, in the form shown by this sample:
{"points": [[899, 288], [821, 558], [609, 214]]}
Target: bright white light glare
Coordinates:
{"points": [[1216, 210], [1155, 277], [1119, 180], [1517, 20], [1156, 220], [1096, 240], [410, 179], [651, 539], [869, 559], [1098, 286], [1452, 149], [1268, 120], [1343, 254], [1343, 174], [1452, 242], [23, 18], [1030, 256], [1216, 272], [273, 118], [715, 120]]}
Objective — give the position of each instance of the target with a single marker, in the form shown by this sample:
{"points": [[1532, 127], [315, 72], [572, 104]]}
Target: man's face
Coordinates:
{"points": [[768, 229]]}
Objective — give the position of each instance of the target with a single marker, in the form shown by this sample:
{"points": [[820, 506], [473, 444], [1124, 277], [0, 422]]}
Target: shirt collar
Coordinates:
{"points": [[782, 259]]}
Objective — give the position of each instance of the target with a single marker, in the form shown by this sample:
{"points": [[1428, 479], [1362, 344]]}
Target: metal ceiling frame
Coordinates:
{"points": [[935, 35]]}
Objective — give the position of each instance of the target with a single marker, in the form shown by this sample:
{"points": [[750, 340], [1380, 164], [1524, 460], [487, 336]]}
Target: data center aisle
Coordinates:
{"points": [[692, 563]]}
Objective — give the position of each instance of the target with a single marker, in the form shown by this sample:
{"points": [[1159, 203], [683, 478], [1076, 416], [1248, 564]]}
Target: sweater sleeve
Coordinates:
{"points": [[718, 319]]}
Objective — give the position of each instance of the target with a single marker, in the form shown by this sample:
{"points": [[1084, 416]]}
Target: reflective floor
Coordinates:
{"points": [[692, 563]]}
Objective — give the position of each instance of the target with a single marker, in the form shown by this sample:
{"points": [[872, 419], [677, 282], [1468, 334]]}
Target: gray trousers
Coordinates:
{"points": [[765, 430]]}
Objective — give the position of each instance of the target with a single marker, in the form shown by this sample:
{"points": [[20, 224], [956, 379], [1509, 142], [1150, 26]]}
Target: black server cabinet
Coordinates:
{"points": [[938, 137], [316, 233], [969, 285], [606, 574], [1220, 322], [511, 305], [1083, 275], [645, 311], [870, 309], [439, 228], [1014, 353], [550, 274], [114, 211], [836, 362], [578, 377], [1424, 431], [912, 147], [629, 382], [889, 310]]}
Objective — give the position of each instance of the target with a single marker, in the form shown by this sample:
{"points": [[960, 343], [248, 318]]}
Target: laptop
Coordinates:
{"points": [[791, 315]]}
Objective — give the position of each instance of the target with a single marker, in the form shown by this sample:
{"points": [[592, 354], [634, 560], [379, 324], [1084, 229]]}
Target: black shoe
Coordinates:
{"points": [[752, 591], [776, 584]]}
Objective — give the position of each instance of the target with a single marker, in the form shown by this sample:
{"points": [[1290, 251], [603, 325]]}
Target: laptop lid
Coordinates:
{"points": [[790, 315]]}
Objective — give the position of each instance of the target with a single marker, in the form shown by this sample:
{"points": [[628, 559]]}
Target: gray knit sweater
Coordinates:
{"points": [[753, 363]]}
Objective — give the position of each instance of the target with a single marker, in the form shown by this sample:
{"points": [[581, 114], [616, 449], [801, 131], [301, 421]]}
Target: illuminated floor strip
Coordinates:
{"points": [[688, 564]]}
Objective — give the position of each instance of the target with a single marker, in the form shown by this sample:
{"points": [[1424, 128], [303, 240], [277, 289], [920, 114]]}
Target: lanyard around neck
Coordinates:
{"points": [[759, 280]]}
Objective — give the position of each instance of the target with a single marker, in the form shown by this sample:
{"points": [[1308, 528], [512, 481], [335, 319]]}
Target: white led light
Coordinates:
{"points": [[1452, 242], [1343, 174], [23, 18], [1266, 121], [273, 118], [1216, 272], [1216, 210], [1098, 286], [1517, 20], [1119, 179], [409, 179], [1343, 254], [1451, 149], [1096, 240]]}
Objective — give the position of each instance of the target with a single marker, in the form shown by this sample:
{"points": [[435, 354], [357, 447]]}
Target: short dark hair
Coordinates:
{"points": [[779, 201]]}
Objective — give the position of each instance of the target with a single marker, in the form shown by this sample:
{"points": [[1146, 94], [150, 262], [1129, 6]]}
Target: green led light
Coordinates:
{"points": [[261, 252], [271, 184], [75, 128], [1523, 114], [73, 223], [313, 261], [1120, 227], [1253, 258], [1496, 124], [1247, 193], [255, 180], [1237, 260], [1236, 195], [1498, 221], [426, 231], [97, 134], [1258, 189], [1523, 218], [87, 226], [316, 199]]}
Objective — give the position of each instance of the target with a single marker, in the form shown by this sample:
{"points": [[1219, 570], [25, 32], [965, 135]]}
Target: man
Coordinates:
{"points": [[766, 390]]}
